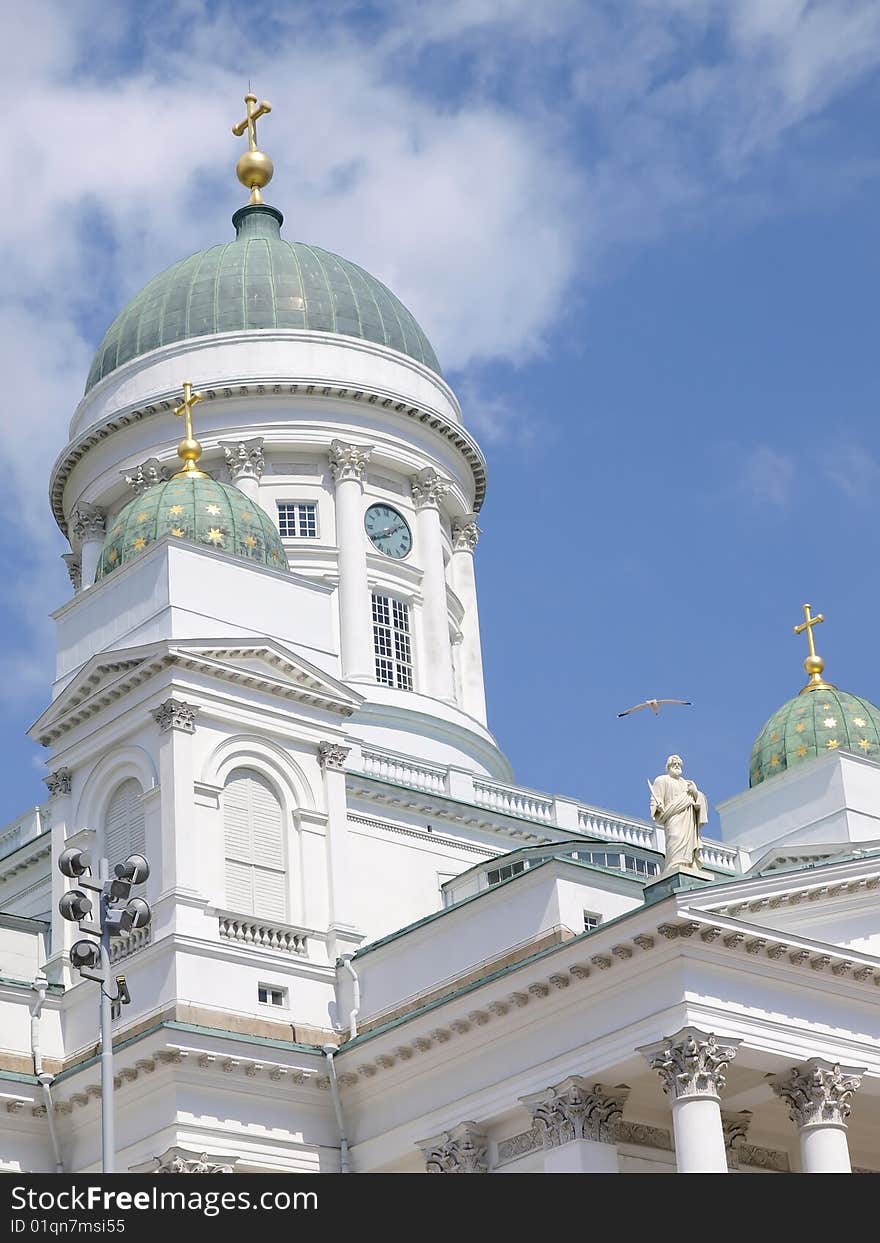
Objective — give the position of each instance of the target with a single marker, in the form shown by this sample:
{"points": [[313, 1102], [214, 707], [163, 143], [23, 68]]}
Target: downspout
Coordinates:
{"points": [[44, 1079], [345, 960], [344, 1164]]}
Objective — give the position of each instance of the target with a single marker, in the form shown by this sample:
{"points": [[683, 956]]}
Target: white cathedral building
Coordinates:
{"points": [[371, 949]]}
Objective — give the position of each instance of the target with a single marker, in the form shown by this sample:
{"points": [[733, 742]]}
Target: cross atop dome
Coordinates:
{"points": [[254, 169], [814, 664]]}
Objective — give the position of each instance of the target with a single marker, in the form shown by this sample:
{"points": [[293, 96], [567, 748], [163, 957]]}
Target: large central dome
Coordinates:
{"points": [[259, 281]]}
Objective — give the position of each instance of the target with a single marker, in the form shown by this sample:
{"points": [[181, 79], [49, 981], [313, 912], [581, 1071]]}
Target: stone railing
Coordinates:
{"points": [[387, 767], [514, 801], [124, 947], [250, 930], [714, 855], [614, 829], [30, 824]]}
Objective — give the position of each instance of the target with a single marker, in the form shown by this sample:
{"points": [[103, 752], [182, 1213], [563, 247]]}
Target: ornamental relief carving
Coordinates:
{"points": [[574, 1109], [178, 1161], [331, 755], [691, 1063], [463, 1150], [59, 782]]}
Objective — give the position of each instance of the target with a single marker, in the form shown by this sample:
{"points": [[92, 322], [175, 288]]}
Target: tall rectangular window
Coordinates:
{"points": [[298, 519], [392, 642]]}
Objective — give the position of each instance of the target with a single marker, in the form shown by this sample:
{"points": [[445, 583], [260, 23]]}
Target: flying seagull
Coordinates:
{"points": [[654, 705]]}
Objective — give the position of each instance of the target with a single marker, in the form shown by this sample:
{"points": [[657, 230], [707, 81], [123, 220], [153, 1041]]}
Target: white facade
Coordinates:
{"points": [[340, 864]]}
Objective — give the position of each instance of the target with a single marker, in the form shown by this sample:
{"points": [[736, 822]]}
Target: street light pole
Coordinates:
{"points": [[108, 1138]]}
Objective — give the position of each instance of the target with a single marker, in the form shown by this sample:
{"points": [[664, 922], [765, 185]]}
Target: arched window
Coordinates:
{"points": [[124, 823], [253, 828]]}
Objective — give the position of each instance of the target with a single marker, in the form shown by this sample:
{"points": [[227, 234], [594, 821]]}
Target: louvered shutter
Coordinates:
{"points": [[253, 825], [124, 824]]}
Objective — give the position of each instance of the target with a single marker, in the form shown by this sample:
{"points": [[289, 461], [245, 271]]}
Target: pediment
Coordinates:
{"points": [[260, 664]]}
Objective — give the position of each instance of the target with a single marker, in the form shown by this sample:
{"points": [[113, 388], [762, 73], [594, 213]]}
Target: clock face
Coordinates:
{"points": [[388, 530]]}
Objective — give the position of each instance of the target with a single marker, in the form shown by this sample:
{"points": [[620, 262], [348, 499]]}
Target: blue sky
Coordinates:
{"points": [[642, 237]]}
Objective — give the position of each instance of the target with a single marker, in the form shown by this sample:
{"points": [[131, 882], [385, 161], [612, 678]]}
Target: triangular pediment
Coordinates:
{"points": [[258, 664]]}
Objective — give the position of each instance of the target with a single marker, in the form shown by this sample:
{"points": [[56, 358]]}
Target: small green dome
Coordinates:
{"points": [[197, 509], [259, 281], [813, 724]]}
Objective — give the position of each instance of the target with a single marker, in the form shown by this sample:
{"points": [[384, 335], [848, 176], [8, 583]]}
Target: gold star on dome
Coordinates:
{"points": [[177, 531], [215, 536], [832, 744], [801, 751], [864, 744], [857, 720], [250, 542], [800, 727], [774, 761], [830, 722], [175, 510], [139, 543], [142, 517], [113, 555], [826, 708], [213, 510]]}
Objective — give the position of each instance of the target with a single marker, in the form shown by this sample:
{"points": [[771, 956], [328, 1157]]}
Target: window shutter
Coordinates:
{"points": [[124, 825], [253, 823]]}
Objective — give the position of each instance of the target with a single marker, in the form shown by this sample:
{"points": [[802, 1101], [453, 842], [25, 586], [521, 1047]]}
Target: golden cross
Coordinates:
{"points": [[189, 448], [807, 625], [254, 112]]}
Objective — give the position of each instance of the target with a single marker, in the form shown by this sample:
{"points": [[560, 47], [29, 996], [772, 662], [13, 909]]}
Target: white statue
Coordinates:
{"points": [[680, 808]]}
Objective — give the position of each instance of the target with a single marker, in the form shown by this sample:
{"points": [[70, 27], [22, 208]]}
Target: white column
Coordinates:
{"points": [[691, 1064], [88, 527], [332, 757], [465, 534], [179, 866], [463, 1150], [244, 461], [348, 464], [818, 1096], [435, 661], [576, 1121]]}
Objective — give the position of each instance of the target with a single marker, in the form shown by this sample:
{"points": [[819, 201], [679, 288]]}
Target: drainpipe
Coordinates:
{"points": [[44, 1079], [356, 996], [344, 1165]]}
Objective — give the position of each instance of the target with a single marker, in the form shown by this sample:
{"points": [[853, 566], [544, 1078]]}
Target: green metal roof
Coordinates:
{"points": [[202, 510], [811, 724], [259, 281]]}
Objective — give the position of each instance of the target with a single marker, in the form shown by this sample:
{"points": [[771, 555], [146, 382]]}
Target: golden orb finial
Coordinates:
{"points": [[254, 169], [814, 664], [189, 449]]}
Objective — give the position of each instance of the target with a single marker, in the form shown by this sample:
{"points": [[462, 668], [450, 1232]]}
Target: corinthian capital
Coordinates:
{"points": [[88, 521], [331, 755], [175, 714], [74, 568], [428, 488], [244, 458], [819, 1092], [179, 1161], [139, 478], [59, 782], [576, 1109], [348, 461], [691, 1063], [459, 1151], [465, 533]]}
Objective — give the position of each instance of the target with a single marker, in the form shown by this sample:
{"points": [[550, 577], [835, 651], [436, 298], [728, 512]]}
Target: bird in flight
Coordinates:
{"points": [[654, 705]]}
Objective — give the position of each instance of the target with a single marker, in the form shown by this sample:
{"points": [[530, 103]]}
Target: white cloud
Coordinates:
{"points": [[855, 470], [766, 476]]}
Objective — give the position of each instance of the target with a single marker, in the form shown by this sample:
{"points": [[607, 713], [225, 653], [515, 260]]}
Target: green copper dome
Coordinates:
{"points": [[198, 509], [811, 724], [259, 281]]}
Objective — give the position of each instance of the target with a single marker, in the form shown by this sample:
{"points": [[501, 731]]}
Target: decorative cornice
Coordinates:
{"points": [[332, 755], [73, 561], [244, 458], [463, 1150], [465, 532], [175, 714], [575, 1110], [88, 522], [348, 461], [417, 800], [59, 782], [818, 1093], [794, 897], [454, 432], [144, 476], [691, 1063], [421, 834], [180, 1161], [429, 489]]}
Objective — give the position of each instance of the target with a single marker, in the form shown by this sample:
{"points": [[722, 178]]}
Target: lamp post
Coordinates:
{"points": [[117, 913]]}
